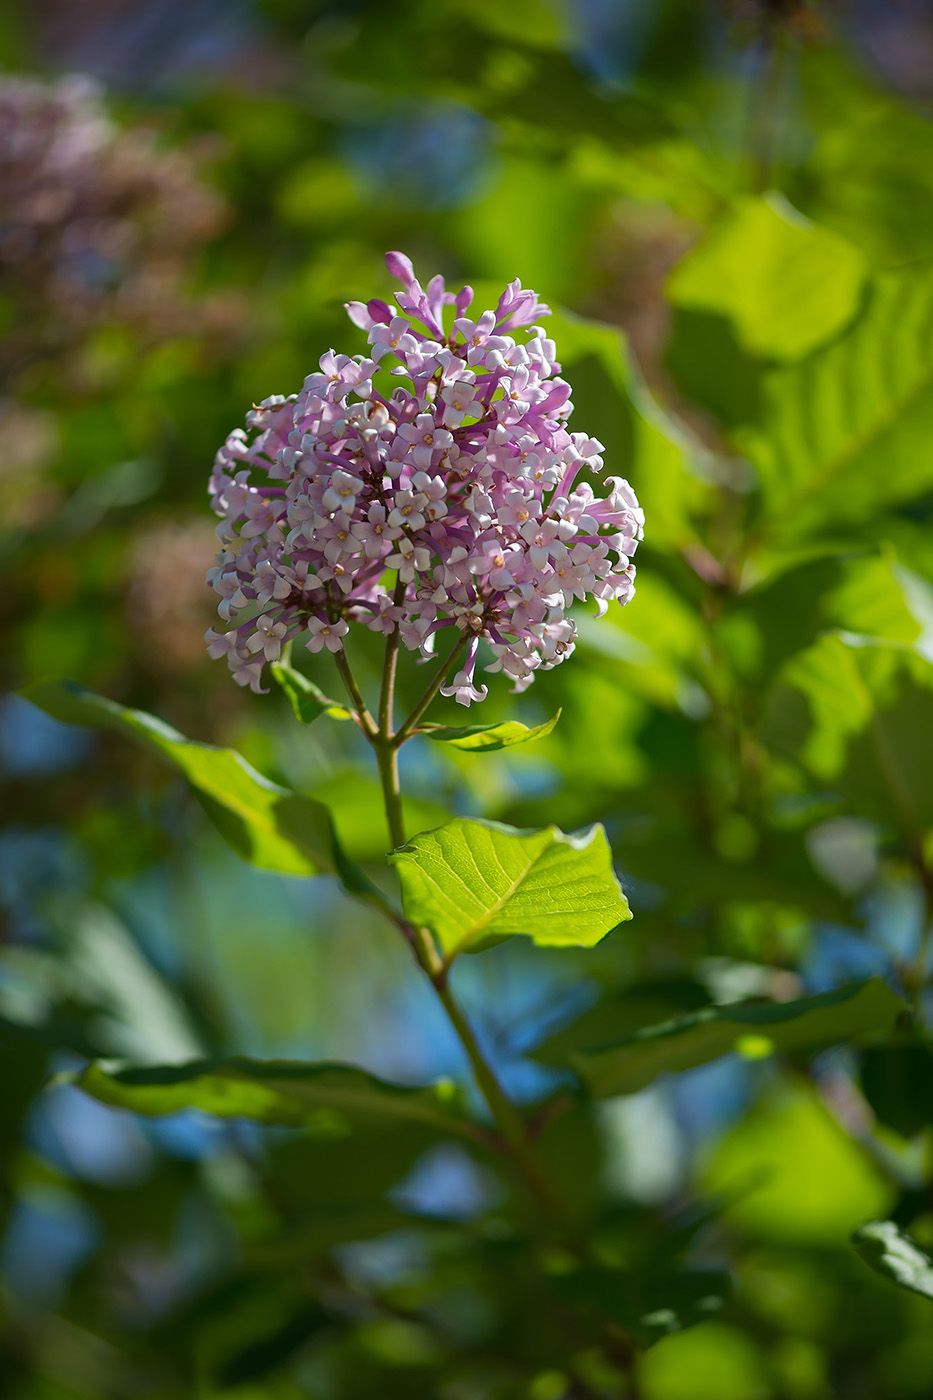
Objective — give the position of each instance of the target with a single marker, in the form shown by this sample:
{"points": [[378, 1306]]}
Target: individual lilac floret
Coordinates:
{"points": [[456, 501]]}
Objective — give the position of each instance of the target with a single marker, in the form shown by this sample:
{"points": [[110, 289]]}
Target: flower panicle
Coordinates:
{"points": [[457, 500]]}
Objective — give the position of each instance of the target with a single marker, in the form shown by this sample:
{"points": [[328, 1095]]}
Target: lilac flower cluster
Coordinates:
{"points": [[458, 501]]}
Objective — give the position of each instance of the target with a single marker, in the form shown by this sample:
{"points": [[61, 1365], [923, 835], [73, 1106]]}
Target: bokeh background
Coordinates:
{"points": [[189, 191]]}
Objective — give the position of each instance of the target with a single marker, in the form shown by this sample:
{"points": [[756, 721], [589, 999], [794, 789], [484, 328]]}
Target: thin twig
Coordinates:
{"points": [[387, 689], [405, 732], [364, 718]]}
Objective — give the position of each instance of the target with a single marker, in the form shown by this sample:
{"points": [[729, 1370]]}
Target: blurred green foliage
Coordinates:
{"points": [[728, 208]]}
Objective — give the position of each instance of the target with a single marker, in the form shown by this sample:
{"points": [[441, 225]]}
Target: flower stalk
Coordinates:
{"points": [[514, 1138]]}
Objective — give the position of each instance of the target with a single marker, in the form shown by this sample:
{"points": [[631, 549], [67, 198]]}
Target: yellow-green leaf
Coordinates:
{"points": [[484, 738], [475, 881], [289, 1092]]}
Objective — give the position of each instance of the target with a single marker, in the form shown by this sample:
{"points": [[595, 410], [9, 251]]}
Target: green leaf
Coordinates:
{"points": [[892, 1254], [897, 1081], [320, 1095], [871, 595], [273, 1351], [472, 881], [314, 1174], [307, 701], [324, 1230], [756, 1029], [711, 369], [484, 738], [649, 1304], [857, 714], [532, 22], [268, 825], [622, 1012], [784, 283], [847, 430]]}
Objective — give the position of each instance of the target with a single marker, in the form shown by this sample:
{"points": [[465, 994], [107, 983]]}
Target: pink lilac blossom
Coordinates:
{"points": [[457, 502]]}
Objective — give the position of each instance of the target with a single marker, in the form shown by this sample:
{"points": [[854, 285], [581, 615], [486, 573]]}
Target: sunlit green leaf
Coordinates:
{"points": [[865, 1011], [289, 1092], [891, 1253], [848, 429], [789, 1171], [786, 284], [712, 1361], [483, 738], [308, 702], [857, 714], [472, 881], [871, 595]]}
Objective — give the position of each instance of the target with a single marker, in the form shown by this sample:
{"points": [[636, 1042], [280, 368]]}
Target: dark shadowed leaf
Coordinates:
{"points": [[267, 824], [648, 1003], [865, 1011], [647, 1303], [897, 1081], [269, 1353], [325, 1229]]}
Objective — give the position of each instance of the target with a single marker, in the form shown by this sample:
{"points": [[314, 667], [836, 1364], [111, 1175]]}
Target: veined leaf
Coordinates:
{"points": [[287, 1092], [857, 713], [308, 702], [483, 738], [473, 881], [786, 284], [890, 1253], [268, 825], [864, 1011], [848, 429]]}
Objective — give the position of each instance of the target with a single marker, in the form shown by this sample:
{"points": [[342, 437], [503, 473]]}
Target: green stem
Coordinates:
{"points": [[387, 759], [505, 1114], [387, 690], [764, 113], [507, 1117], [912, 832], [918, 972], [405, 732], [364, 718], [514, 1137]]}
